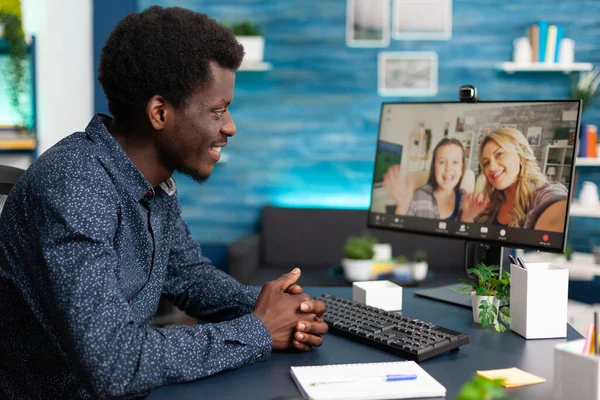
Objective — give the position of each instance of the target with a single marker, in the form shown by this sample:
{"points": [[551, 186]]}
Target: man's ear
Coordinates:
{"points": [[156, 110]]}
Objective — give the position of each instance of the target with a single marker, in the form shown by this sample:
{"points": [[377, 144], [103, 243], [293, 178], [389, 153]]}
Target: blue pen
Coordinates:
{"points": [[383, 378]]}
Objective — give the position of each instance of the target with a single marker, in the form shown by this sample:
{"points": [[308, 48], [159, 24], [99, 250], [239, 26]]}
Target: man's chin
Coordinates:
{"points": [[195, 175]]}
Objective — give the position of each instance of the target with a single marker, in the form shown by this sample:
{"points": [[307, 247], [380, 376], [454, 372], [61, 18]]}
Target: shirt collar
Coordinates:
{"points": [[134, 182]]}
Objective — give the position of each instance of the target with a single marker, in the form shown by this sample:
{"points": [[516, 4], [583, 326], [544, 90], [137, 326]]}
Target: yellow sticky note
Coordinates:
{"points": [[513, 377]]}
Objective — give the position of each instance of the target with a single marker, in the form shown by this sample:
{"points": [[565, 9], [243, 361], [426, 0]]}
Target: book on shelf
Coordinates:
{"points": [[543, 35], [16, 138], [550, 44], [534, 39]]}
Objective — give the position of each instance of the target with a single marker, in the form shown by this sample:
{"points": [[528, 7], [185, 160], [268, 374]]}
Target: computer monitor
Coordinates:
{"points": [[499, 173]]}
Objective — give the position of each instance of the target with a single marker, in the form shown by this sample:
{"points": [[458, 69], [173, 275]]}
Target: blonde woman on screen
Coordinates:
{"points": [[440, 198], [516, 193]]}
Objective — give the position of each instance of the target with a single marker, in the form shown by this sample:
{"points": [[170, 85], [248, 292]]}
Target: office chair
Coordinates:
{"points": [[8, 177]]}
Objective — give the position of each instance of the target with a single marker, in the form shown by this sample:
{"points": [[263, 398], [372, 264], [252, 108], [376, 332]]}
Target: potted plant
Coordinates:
{"points": [[402, 268], [15, 71], [358, 257], [479, 388], [249, 35], [419, 265], [490, 293]]}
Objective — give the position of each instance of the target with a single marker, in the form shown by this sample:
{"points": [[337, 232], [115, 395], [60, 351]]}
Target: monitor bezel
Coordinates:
{"points": [[502, 243]]}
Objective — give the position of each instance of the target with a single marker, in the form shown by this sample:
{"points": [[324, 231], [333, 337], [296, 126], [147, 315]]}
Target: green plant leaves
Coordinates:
{"points": [[490, 283], [478, 388], [360, 247]]}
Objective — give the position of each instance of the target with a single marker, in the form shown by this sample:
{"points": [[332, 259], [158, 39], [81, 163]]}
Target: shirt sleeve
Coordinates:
{"points": [[113, 354], [196, 286]]}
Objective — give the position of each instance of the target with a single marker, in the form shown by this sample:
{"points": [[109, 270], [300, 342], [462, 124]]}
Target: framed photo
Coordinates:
{"points": [[368, 23], [422, 19], [534, 135], [407, 73]]}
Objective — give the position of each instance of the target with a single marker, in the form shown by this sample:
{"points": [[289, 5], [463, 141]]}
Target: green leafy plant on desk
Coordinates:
{"points": [[360, 247], [495, 287], [478, 388], [358, 255]]}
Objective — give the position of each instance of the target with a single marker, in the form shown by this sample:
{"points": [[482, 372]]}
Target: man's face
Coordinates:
{"points": [[192, 141]]}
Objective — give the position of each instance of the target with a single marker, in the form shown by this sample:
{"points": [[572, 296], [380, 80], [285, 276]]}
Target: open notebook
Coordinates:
{"points": [[366, 381]]}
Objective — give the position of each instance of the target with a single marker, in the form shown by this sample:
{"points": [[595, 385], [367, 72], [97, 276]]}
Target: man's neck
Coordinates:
{"points": [[141, 149]]}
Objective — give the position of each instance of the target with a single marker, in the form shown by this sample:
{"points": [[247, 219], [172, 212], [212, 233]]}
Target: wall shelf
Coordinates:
{"points": [[511, 67], [256, 66], [577, 210], [587, 162]]}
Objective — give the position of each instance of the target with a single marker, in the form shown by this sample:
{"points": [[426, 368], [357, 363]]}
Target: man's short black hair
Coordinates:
{"points": [[162, 51]]}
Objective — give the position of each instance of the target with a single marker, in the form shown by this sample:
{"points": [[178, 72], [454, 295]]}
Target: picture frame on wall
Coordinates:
{"points": [[368, 23], [407, 73], [422, 19]]}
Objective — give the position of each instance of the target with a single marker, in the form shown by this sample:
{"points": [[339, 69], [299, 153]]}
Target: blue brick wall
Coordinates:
{"points": [[307, 128]]}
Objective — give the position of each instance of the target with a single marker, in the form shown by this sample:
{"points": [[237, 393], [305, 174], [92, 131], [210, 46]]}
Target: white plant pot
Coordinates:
{"points": [[476, 301], [254, 48], [357, 270], [419, 270]]}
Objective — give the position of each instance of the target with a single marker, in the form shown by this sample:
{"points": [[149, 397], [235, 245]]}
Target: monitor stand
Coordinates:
{"points": [[475, 253]]}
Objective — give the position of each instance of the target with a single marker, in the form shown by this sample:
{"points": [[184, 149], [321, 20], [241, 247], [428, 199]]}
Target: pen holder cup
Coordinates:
{"points": [[538, 300], [576, 375]]}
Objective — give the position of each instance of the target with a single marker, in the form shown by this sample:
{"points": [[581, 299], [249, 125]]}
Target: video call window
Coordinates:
{"points": [[502, 166]]}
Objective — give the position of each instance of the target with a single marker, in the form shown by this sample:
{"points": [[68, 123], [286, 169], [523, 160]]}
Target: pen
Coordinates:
{"points": [[521, 263], [384, 378], [512, 260]]}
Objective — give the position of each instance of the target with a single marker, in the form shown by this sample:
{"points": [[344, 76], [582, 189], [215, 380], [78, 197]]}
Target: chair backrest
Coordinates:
{"points": [[8, 177]]}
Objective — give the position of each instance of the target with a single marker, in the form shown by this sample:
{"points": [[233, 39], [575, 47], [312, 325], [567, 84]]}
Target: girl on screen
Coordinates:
{"points": [[516, 193], [440, 197]]}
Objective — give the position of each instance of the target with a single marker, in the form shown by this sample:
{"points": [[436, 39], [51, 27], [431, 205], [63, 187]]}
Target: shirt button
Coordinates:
{"points": [[149, 194]]}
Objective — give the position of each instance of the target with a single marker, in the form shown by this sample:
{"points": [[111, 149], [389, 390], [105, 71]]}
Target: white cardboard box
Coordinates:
{"points": [[538, 300], [576, 375], [381, 294]]}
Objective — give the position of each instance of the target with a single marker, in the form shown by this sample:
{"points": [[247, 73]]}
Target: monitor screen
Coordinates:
{"points": [[496, 172]]}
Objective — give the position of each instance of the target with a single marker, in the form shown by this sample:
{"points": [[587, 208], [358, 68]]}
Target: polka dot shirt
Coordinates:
{"points": [[87, 246]]}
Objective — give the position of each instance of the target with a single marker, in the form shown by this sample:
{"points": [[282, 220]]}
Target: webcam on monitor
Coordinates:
{"points": [[468, 94]]}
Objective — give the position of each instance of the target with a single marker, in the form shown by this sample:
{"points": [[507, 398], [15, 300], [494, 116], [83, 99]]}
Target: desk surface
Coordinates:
{"points": [[487, 350]]}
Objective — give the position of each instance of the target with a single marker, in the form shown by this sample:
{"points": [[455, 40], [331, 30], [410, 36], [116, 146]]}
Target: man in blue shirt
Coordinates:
{"points": [[92, 233]]}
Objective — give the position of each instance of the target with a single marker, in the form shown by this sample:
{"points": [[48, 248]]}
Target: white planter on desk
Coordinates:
{"points": [[357, 270], [418, 270], [476, 301]]}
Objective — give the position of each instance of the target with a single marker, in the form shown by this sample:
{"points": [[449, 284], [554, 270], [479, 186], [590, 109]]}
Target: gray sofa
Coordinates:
{"points": [[313, 239]]}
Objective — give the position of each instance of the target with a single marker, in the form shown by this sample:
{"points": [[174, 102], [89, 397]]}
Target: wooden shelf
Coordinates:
{"points": [[256, 66], [587, 162], [511, 67], [577, 210]]}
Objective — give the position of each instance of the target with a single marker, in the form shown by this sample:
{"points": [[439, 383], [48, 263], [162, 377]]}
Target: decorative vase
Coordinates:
{"points": [[357, 270], [476, 301]]}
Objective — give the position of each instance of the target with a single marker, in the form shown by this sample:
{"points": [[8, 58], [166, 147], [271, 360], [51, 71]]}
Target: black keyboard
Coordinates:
{"points": [[393, 332]]}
